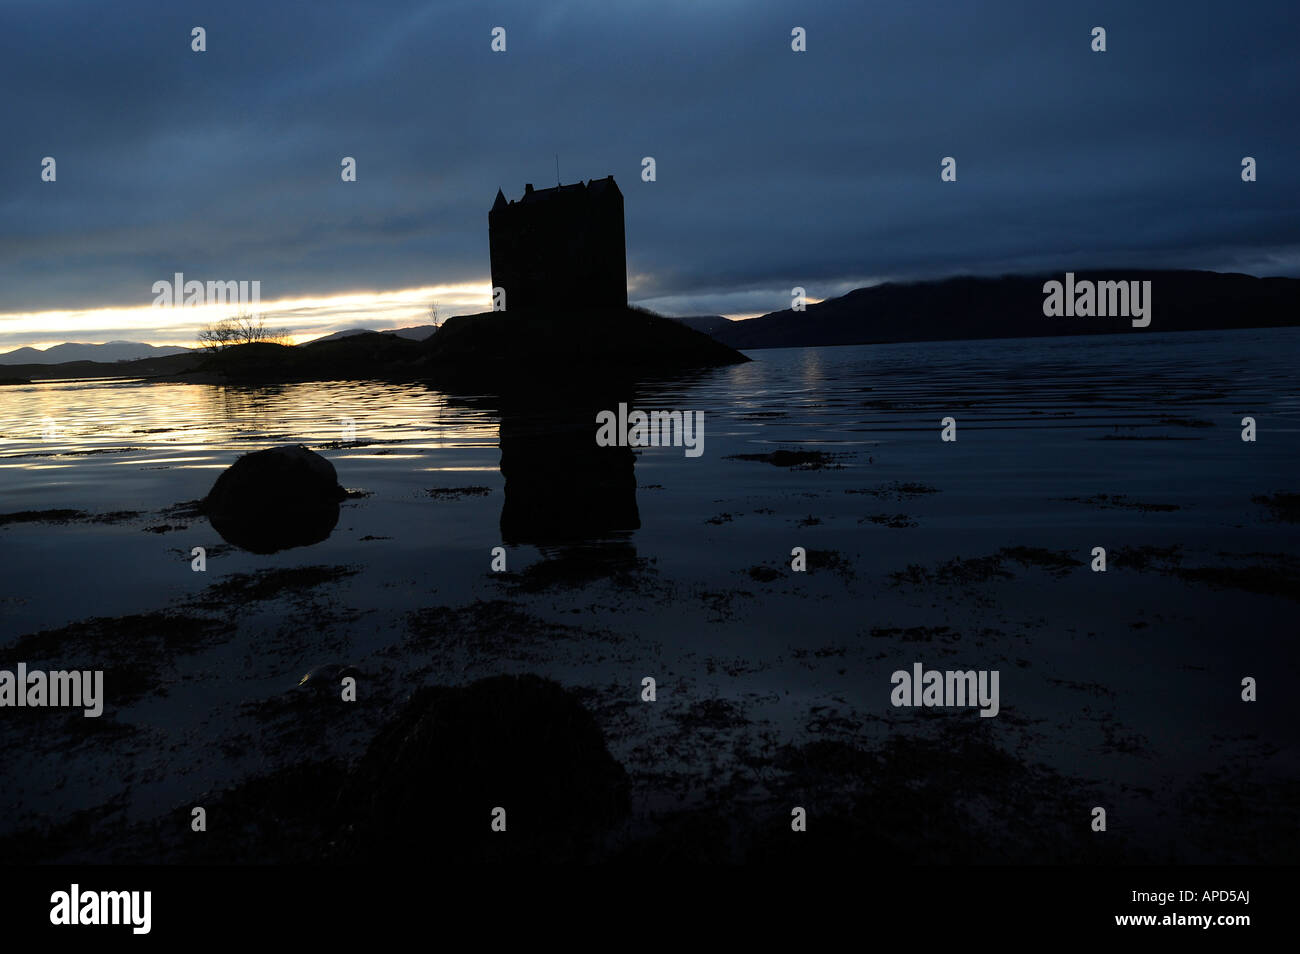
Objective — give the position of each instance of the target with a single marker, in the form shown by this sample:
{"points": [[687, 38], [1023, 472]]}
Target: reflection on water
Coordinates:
{"points": [[264, 533], [559, 484], [64, 425], [93, 430], [1038, 420]]}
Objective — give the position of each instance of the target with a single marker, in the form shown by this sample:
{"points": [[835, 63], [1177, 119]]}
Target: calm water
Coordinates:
{"points": [[1152, 417], [1155, 417]]}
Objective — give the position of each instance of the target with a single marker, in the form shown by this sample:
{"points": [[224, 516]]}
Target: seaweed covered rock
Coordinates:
{"points": [[429, 782]]}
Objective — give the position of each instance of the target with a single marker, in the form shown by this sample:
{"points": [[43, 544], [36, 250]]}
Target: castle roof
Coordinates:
{"points": [[595, 187]]}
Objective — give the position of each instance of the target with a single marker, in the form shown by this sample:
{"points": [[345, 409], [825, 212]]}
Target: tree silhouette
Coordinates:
{"points": [[243, 328]]}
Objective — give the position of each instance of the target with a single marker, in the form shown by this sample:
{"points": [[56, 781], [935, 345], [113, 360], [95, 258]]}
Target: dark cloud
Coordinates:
{"points": [[774, 168]]}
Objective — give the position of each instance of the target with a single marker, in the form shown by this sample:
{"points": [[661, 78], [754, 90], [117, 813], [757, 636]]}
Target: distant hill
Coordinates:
{"points": [[71, 351], [414, 333], [115, 351], [143, 367], [1012, 307]]}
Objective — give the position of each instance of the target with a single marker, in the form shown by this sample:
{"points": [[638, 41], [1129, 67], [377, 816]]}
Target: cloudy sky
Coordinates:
{"points": [[774, 168]]}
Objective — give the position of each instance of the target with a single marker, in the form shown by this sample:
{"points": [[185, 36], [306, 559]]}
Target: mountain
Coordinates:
{"points": [[414, 333], [1012, 307], [71, 351], [135, 350]]}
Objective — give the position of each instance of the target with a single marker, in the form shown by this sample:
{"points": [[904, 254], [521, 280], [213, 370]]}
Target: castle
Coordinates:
{"points": [[560, 248]]}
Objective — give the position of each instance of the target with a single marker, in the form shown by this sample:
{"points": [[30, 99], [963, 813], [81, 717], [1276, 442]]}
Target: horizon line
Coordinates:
{"points": [[401, 308]]}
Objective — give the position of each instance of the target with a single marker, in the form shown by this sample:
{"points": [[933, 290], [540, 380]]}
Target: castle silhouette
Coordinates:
{"points": [[560, 248]]}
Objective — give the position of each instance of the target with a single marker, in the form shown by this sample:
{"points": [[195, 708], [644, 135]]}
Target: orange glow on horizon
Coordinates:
{"points": [[305, 318]]}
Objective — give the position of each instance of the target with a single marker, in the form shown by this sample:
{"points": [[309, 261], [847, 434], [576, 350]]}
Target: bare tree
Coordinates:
{"points": [[243, 328], [433, 316], [218, 335]]}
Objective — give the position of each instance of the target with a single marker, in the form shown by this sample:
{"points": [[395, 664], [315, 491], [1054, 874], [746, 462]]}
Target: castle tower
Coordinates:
{"points": [[560, 248]]}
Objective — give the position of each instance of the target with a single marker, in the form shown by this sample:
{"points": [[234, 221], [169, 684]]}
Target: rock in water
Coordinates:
{"points": [[429, 782], [275, 499]]}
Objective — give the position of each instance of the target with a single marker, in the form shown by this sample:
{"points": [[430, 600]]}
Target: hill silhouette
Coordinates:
{"points": [[491, 351], [497, 349], [75, 351], [1012, 307]]}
